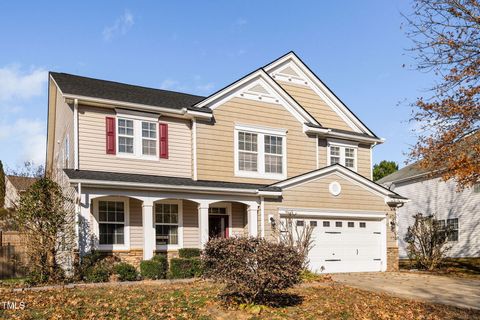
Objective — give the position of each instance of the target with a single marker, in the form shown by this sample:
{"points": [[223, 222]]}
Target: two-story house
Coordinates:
{"points": [[156, 170]]}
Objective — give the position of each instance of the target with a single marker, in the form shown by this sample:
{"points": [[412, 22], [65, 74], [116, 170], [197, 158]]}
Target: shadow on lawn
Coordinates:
{"points": [[273, 300]]}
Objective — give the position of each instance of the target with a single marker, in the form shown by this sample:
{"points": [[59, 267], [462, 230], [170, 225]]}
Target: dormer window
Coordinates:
{"points": [[260, 152], [342, 152]]}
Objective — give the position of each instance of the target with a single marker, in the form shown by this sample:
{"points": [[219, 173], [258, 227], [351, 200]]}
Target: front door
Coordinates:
{"points": [[217, 226]]}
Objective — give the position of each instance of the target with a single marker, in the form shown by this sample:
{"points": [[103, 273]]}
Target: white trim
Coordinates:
{"points": [[137, 115], [167, 247], [343, 145], [293, 61], [262, 217], [96, 228], [325, 132], [261, 132], [137, 138], [75, 134], [262, 78], [194, 148], [384, 244], [198, 114], [332, 213], [317, 156]]}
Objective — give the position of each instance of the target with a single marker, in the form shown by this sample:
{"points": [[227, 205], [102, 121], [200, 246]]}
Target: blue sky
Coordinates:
{"points": [[356, 47]]}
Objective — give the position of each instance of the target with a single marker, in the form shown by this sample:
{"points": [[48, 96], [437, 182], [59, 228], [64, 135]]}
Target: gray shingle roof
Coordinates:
{"points": [[161, 180], [103, 89], [407, 172]]}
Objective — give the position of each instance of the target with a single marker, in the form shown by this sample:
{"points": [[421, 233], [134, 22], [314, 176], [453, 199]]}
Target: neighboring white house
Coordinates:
{"points": [[431, 195], [14, 186]]}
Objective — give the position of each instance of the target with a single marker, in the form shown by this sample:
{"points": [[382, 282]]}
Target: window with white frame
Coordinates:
{"points": [[166, 224], [260, 152], [342, 153], [111, 222], [149, 138], [125, 136], [452, 224]]}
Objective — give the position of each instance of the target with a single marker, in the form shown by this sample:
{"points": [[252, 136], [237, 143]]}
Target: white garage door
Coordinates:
{"points": [[343, 245]]}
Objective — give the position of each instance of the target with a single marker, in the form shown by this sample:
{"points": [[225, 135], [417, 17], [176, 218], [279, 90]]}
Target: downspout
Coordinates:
{"points": [[75, 133], [316, 143], [262, 216], [194, 147], [371, 160]]}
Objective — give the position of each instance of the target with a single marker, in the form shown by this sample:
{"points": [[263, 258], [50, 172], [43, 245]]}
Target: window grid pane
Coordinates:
{"points": [[166, 223], [247, 156], [273, 154], [125, 136], [149, 138], [111, 222]]}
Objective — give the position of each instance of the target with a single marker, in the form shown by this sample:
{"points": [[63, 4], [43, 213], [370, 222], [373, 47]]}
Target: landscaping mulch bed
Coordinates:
{"points": [[197, 300]]}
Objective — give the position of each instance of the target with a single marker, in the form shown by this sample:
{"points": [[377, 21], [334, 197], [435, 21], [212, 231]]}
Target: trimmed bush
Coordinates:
{"points": [[97, 273], [126, 272], [252, 269], [156, 268], [181, 268], [189, 253]]}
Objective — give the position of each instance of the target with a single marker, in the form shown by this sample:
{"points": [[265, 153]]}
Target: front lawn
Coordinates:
{"points": [[458, 267], [197, 300]]}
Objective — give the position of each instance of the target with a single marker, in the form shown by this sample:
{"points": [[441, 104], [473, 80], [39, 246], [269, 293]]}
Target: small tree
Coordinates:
{"points": [[383, 169], [427, 241], [48, 228], [2, 186], [296, 236]]}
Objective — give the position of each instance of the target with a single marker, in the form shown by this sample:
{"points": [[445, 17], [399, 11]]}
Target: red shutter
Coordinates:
{"points": [[110, 135], [163, 138]]}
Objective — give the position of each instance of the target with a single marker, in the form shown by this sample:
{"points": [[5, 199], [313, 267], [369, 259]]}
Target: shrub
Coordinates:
{"points": [[156, 268], [252, 269], [126, 272], [189, 253], [181, 268], [97, 273]]}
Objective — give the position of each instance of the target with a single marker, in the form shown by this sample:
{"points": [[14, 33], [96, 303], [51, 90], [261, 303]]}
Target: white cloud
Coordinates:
{"points": [[205, 88], [241, 22], [169, 84], [120, 27], [15, 84], [27, 137]]}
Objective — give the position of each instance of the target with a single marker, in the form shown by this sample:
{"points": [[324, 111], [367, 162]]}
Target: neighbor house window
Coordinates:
{"points": [[247, 151], [326, 223], [166, 223], [343, 154], [125, 136], [260, 153], [313, 224], [149, 138], [351, 224], [338, 224], [452, 224], [111, 222], [362, 225], [300, 223]]}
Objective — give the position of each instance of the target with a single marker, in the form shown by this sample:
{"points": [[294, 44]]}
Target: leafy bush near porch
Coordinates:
{"points": [[155, 268], [96, 267], [252, 269], [97, 273], [126, 272], [189, 253], [181, 268]]}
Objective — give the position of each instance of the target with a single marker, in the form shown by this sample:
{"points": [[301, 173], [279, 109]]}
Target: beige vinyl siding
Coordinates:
{"points": [[364, 166], [314, 105], [239, 219], [315, 195], [190, 225], [136, 229], [215, 143], [92, 147]]}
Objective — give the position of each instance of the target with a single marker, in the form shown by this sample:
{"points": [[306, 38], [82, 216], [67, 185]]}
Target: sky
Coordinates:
{"points": [[358, 48]]}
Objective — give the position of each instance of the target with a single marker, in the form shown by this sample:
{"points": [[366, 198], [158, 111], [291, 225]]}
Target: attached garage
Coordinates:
{"points": [[346, 244], [352, 219]]}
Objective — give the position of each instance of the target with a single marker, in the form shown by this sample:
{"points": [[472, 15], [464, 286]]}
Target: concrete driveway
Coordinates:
{"points": [[463, 293]]}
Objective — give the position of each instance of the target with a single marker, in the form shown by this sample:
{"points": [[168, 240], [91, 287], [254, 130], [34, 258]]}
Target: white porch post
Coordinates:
{"points": [[252, 220], [148, 230], [203, 223]]}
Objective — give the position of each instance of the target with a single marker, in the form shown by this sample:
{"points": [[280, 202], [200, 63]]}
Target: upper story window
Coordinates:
{"points": [[260, 152], [137, 137], [342, 153]]}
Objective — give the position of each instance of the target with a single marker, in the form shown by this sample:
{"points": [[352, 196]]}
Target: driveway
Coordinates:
{"points": [[463, 293]]}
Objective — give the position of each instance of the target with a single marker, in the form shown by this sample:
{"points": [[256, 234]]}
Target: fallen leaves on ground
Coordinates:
{"points": [[198, 301]]}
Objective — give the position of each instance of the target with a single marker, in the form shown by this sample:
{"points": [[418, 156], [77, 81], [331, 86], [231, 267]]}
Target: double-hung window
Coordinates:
{"points": [[342, 153], [149, 138], [167, 223], [125, 136], [260, 152], [111, 222], [452, 224]]}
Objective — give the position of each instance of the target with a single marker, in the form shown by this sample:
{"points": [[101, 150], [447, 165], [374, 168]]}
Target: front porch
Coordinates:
{"points": [[135, 225]]}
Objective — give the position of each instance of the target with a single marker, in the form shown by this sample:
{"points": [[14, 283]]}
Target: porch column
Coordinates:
{"points": [[203, 224], [148, 230], [252, 220]]}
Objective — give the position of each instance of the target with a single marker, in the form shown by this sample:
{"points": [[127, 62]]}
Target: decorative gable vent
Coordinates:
{"points": [[290, 74], [259, 92]]}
